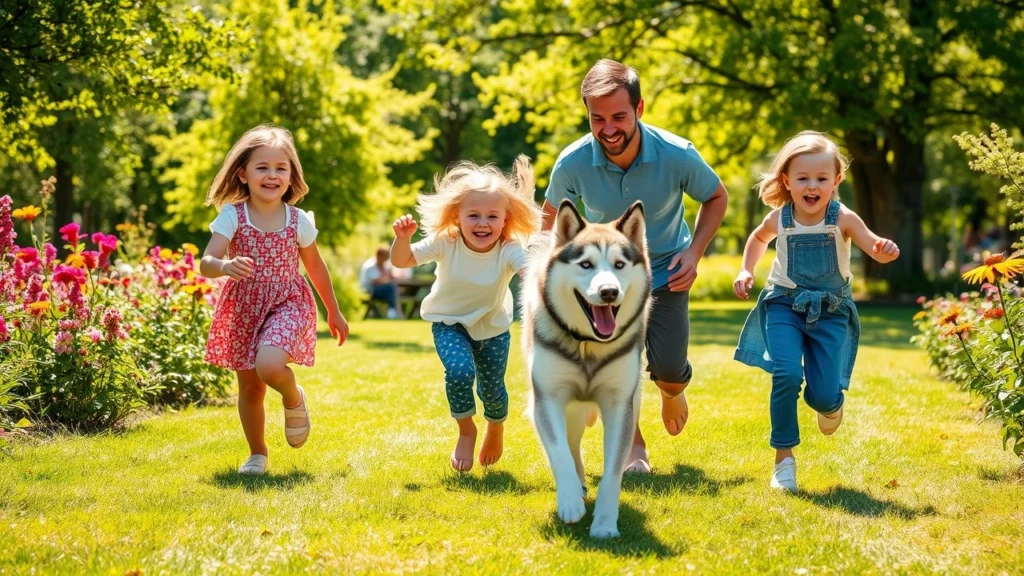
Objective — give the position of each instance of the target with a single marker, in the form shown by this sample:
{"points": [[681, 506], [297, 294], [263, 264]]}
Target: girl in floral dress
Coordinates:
{"points": [[266, 316]]}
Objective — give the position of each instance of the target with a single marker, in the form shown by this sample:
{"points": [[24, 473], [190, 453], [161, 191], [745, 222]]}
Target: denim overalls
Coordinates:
{"points": [[816, 321]]}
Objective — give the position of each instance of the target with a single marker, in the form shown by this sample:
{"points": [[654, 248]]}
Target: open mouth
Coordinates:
{"points": [[613, 140], [602, 318], [483, 235], [811, 199]]}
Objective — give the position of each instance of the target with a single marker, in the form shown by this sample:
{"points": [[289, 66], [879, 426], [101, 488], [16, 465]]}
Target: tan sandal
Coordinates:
{"points": [[297, 435]]}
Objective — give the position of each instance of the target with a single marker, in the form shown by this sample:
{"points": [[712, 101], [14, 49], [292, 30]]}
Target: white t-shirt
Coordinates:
{"points": [[471, 287], [226, 223], [369, 272]]}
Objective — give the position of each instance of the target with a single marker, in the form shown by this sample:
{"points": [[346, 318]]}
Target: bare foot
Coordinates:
{"points": [[490, 450], [674, 412], [462, 457], [639, 462]]}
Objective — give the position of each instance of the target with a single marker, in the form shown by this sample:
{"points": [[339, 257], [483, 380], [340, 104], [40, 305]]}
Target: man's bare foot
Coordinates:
{"points": [[674, 411], [490, 450], [639, 462], [462, 457]]}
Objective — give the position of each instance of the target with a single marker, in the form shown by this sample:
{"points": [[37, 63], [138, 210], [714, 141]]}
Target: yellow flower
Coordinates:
{"points": [[165, 253], [951, 316], [39, 306], [995, 267], [961, 329], [190, 248], [75, 261], [920, 315], [190, 289], [28, 213]]}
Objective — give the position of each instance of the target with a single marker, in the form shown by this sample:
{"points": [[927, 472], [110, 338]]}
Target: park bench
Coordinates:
{"points": [[411, 293]]}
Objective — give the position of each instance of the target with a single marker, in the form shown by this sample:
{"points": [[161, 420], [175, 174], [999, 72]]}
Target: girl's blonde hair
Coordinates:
{"points": [[439, 211], [772, 189], [227, 187]]}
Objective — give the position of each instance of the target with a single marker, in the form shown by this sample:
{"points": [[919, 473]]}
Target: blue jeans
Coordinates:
{"points": [[820, 346], [386, 292], [466, 360]]}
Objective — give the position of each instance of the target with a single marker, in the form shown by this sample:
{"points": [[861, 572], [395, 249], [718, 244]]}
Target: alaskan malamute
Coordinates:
{"points": [[585, 302]]}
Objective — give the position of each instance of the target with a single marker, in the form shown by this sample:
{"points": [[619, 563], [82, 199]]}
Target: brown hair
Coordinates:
{"points": [[606, 77], [227, 187], [772, 189], [440, 210]]}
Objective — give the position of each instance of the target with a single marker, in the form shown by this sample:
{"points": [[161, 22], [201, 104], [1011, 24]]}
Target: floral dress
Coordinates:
{"points": [[272, 307]]}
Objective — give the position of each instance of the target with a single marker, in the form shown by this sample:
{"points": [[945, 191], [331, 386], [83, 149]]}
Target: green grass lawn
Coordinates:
{"points": [[910, 483]]}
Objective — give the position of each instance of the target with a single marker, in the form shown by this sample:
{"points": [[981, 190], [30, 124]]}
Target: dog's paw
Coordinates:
{"points": [[571, 507], [603, 530]]}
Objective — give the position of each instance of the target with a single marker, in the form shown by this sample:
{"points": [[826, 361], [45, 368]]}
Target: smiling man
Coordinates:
{"points": [[623, 160]]}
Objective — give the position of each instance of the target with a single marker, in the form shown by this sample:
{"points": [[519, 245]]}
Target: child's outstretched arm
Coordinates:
{"points": [[756, 246], [321, 278], [401, 248], [881, 249], [213, 264]]}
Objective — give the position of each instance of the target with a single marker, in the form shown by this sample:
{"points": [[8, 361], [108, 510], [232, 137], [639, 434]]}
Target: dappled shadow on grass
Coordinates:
{"points": [[268, 481], [1008, 475], [682, 479], [497, 482], [635, 540], [863, 504]]}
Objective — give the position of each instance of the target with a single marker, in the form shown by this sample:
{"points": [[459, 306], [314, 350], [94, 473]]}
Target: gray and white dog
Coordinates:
{"points": [[585, 300]]}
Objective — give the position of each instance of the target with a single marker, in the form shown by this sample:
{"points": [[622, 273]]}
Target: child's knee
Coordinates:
{"points": [[270, 369], [252, 389], [787, 377], [826, 403], [461, 376]]}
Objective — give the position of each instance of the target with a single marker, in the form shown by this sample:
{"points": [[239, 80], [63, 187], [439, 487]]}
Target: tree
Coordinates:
{"points": [[347, 129], [72, 70], [738, 77]]}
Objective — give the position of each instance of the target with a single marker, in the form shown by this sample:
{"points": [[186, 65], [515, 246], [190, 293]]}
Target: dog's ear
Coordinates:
{"points": [[633, 226], [568, 223]]}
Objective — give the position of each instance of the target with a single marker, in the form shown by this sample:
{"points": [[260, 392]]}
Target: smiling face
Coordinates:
{"points": [[613, 121], [267, 174], [811, 180], [481, 219]]}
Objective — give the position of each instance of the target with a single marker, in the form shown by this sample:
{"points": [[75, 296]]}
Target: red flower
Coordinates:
{"points": [[28, 255], [921, 299], [69, 232], [91, 259], [107, 244], [67, 274], [994, 313]]}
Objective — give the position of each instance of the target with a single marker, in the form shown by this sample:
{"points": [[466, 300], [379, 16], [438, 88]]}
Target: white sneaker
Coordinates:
{"points": [[256, 464], [828, 424], [392, 313], [784, 476]]}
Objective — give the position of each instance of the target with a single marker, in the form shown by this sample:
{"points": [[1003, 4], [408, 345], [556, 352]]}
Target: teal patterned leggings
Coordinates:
{"points": [[465, 360]]}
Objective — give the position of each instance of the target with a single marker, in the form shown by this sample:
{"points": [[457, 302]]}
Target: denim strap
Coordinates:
{"points": [[787, 216]]}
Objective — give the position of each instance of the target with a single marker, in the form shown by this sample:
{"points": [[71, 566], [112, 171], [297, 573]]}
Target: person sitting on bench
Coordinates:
{"points": [[379, 282]]}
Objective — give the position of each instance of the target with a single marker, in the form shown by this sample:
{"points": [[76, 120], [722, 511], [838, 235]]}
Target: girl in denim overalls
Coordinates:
{"points": [[806, 311]]}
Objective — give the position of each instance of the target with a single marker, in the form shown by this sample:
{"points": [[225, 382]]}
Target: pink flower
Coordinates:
{"points": [[50, 253], [112, 324], [68, 324], [964, 297], [94, 334], [61, 340], [67, 274], [69, 232], [5, 334], [921, 299], [75, 296], [107, 244], [7, 234]]}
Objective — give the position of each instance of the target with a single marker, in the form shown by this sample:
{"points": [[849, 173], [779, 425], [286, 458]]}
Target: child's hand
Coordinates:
{"points": [[744, 283], [404, 227], [885, 250], [339, 327], [238, 268]]}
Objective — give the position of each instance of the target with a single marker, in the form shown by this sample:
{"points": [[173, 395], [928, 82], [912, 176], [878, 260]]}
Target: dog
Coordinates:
{"points": [[586, 297]]}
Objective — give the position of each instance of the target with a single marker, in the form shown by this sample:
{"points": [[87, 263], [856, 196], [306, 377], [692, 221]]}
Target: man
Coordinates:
{"points": [[378, 280], [623, 160]]}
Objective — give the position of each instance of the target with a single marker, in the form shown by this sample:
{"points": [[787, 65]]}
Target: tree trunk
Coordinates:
{"points": [[874, 189], [64, 194]]}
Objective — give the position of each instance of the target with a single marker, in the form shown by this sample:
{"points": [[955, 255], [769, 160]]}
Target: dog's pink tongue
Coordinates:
{"points": [[603, 319]]}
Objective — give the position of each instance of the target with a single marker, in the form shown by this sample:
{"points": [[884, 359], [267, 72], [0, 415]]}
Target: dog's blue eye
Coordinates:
{"points": [[620, 265], [586, 265]]}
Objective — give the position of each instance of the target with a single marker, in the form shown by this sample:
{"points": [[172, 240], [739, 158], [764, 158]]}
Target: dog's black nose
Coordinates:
{"points": [[609, 292]]}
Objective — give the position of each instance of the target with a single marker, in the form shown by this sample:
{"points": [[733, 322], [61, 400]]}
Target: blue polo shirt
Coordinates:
{"points": [[666, 167]]}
